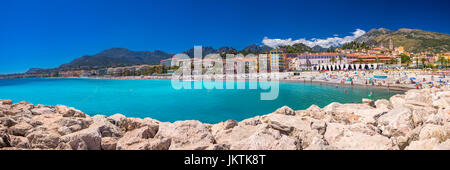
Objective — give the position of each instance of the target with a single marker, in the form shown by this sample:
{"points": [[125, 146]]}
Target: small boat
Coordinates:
{"points": [[380, 77]]}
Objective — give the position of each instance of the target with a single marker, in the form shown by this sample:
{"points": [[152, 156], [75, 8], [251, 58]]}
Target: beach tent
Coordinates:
{"points": [[342, 66], [374, 66], [357, 66], [346, 66], [333, 66], [363, 66]]}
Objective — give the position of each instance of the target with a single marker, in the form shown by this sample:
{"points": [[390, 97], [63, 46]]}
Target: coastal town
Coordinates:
{"points": [[390, 66]]}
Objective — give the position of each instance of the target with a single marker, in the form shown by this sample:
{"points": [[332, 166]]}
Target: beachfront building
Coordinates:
{"points": [[264, 62], [278, 60], [166, 62], [372, 59], [178, 62], [307, 61]]}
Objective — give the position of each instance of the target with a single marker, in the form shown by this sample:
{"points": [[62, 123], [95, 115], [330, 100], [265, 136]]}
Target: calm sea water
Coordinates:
{"points": [[157, 99]]}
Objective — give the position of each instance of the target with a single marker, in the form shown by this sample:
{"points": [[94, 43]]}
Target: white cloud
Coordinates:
{"points": [[331, 41]]}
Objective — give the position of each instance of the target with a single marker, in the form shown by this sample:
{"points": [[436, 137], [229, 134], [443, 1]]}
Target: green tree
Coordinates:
{"points": [[405, 59], [394, 60], [417, 62], [442, 60], [333, 60], [423, 62]]}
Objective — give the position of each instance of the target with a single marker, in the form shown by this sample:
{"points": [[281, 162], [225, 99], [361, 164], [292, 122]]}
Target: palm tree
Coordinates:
{"points": [[377, 60], [442, 60], [394, 60], [423, 62], [417, 62], [340, 59], [332, 60]]}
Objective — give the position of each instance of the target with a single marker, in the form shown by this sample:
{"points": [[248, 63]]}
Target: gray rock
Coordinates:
{"points": [[85, 139], [20, 129]]}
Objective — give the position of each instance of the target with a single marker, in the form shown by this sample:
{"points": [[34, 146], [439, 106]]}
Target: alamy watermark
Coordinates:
{"points": [[213, 71]]}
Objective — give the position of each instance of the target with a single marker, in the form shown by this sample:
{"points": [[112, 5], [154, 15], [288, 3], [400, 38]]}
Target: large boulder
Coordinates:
{"points": [[42, 110], [107, 129], [383, 104], [186, 135], [130, 124], [20, 129], [353, 113], [356, 137], [313, 111], [89, 139], [109, 143], [117, 119], [421, 96], [142, 139], [443, 146], [43, 139], [397, 122], [6, 102], [20, 142], [7, 122], [427, 144], [297, 127], [434, 131], [5, 140], [229, 124], [285, 110], [368, 102], [67, 125], [265, 138], [68, 111], [319, 143], [397, 100], [20, 108]]}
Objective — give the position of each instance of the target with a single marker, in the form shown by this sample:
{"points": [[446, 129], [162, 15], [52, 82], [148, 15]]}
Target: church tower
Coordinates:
{"points": [[391, 45]]}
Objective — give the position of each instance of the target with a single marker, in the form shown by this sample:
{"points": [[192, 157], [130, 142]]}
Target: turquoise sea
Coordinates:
{"points": [[158, 100]]}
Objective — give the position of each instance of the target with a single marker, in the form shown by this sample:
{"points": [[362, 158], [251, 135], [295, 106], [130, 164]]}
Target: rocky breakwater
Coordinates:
{"points": [[418, 119]]}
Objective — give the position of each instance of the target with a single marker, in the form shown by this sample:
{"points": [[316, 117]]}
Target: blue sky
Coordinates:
{"points": [[47, 33]]}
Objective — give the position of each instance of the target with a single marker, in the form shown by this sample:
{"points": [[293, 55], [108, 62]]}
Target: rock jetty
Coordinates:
{"points": [[416, 120]]}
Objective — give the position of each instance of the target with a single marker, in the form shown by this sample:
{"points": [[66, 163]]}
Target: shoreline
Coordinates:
{"points": [[416, 120], [346, 84]]}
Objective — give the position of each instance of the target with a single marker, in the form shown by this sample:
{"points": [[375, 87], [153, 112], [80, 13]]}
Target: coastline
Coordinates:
{"points": [[346, 84], [416, 120]]}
